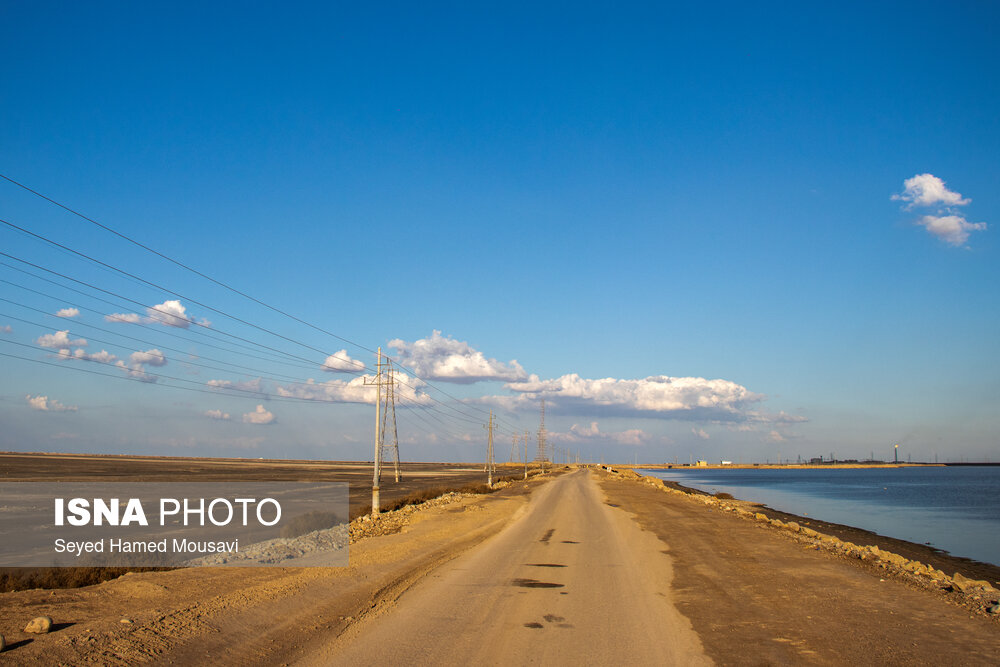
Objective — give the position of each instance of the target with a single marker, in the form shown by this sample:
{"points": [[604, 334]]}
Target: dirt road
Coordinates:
{"points": [[569, 581]]}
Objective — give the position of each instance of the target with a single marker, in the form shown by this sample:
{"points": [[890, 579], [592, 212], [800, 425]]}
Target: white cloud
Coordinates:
{"points": [[44, 404], [217, 414], [130, 318], [407, 390], [928, 190], [774, 436], [586, 432], [148, 358], [59, 339], [255, 386], [68, 312], [450, 360], [690, 398], [139, 361], [259, 416], [592, 433], [170, 313], [137, 371], [79, 354], [341, 362], [102, 357], [952, 229], [701, 433]]}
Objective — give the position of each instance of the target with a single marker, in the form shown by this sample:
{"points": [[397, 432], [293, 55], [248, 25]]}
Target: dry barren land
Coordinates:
{"points": [[580, 566]]}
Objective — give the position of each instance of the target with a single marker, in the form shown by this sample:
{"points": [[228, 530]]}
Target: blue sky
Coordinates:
{"points": [[596, 192]]}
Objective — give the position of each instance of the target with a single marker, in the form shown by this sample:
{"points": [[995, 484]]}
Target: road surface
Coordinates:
{"points": [[571, 580]]}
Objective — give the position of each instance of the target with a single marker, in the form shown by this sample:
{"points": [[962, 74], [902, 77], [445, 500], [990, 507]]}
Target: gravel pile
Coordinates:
{"points": [[328, 542], [388, 523]]}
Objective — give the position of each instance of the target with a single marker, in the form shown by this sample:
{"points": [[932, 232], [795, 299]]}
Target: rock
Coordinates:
{"points": [[39, 626], [777, 524], [994, 609], [126, 621], [761, 517], [809, 532], [890, 557], [960, 586], [792, 526], [965, 585]]}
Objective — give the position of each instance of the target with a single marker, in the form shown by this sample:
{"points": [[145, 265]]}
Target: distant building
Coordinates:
{"points": [[725, 463], [701, 463]]}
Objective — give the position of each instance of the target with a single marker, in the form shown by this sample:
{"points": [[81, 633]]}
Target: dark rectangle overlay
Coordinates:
{"points": [[174, 524]]}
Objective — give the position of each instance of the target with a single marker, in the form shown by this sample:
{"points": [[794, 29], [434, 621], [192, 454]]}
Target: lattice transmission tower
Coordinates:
{"points": [[385, 402], [491, 466], [389, 406], [542, 455]]}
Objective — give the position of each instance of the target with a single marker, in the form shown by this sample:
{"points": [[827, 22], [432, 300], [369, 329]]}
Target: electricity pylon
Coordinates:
{"points": [[390, 406], [542, 454], [383, 378], [514, 449], [526, 455], [490, 465]]}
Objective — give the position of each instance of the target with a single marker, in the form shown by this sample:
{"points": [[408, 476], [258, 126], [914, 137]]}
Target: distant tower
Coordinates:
{"points": [[542, 456]]}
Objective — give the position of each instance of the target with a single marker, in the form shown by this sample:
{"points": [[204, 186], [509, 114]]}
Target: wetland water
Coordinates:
{"points": [[956, 509]]}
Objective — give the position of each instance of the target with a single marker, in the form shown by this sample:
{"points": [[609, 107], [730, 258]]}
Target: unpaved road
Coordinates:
{"points": [[569, 581]]}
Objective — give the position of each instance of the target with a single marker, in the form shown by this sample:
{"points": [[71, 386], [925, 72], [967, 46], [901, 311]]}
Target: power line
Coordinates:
{"points": [[261, 374], [310, 365], [277, 358], [213, 309], [182, 265], [198, 273], [215, 281], [152, 284], [429, 410], [168, 314]]}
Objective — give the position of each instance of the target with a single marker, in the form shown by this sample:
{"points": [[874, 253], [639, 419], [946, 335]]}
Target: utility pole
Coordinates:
{"points": [[490, 466], [526, 455], [377, 463], [895, 450]]}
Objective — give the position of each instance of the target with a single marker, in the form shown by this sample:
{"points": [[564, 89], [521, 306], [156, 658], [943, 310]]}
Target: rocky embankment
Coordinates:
{"points": [[330, 542], [387, 523], [977, 595]]}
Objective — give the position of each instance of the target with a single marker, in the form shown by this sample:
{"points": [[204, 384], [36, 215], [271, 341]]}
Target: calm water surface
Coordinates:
{"points": [[954, 509]]}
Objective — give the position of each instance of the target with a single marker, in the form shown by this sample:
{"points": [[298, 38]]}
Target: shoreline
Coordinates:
{"points": [[937, 558]]}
